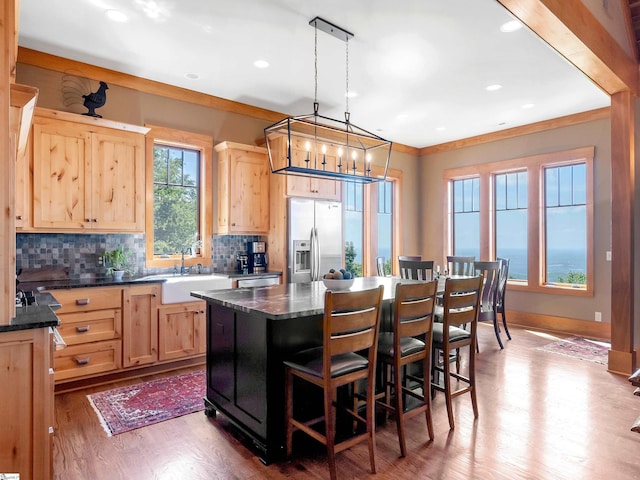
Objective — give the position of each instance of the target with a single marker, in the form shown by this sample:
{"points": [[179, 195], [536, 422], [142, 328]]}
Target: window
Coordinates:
{"points": [[371, 223], [179, 190], [535, 211], [466, 217], [353, 226], [566, 224], [511, 221]]}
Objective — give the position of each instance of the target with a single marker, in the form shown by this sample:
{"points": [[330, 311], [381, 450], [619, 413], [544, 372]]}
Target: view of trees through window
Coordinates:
{"points": [[385, 222], [176, 173], [353, 226]]}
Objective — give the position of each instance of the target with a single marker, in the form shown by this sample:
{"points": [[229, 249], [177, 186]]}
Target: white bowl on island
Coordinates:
{"points": [[336, 285]]}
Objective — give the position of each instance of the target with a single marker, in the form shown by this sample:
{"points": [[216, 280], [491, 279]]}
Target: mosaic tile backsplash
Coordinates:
{"points": [[80, 252]]}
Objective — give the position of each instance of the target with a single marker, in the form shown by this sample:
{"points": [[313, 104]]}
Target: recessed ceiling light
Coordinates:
{"points": [[502, 123], [511, 26], [351, 94], [192, 76], [261, 64], [493, 88], [528, 105], [116, 15]]}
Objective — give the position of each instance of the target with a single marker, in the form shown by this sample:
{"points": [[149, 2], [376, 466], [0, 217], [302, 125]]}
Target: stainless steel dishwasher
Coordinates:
{"points": [[258, 282]]}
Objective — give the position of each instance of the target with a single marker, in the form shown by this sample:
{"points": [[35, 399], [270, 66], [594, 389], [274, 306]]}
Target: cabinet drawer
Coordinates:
{"points": [[87, 359], [95, 326], [86, 299]]}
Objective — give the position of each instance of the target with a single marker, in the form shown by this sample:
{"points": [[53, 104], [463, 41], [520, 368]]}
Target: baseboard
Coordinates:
{"points": [[550, 323]]}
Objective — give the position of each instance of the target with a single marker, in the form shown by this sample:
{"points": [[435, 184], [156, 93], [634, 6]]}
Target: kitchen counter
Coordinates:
{"points": [[85, 282], [35, 316], [290, 300]]}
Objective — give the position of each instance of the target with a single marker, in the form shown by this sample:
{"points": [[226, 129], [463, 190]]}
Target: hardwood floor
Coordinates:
{"points": [[542, 416]]}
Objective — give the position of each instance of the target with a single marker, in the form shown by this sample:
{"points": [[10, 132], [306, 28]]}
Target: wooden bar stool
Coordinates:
{"points": [[350, 326], [409, 343]]}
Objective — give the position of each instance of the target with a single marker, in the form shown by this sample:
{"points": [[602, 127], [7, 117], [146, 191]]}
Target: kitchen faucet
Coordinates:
{"points": [[184, 270]]}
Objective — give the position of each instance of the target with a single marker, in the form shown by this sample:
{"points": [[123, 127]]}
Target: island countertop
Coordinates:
{"points": [[279, 302]]}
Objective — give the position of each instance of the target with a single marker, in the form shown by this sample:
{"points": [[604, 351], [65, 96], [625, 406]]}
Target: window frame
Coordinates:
{"points": [[536, 251], [204, 145]]}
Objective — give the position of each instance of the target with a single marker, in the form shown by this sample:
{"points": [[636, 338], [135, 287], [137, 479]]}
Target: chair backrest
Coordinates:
{"points": [[413, 312], [458, 265], [502, 282], [350, 324], [380, 266], [461, 304], [416, 270], [413, 258], [490, 272]]}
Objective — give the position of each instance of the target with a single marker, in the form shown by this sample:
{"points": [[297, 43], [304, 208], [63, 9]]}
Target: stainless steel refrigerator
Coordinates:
{"points": [[314, 239]]}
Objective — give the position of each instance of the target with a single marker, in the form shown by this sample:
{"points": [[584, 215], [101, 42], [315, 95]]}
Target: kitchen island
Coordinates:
{"points": [[249, 334]]}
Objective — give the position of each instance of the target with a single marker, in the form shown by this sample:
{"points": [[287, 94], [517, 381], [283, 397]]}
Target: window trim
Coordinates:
{"points": [[193, 141], [534, 165]]}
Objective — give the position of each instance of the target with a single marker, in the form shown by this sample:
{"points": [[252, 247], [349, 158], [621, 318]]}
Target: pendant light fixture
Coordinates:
{"points": [[317, 146]]}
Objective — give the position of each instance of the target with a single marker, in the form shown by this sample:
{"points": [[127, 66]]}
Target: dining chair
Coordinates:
{"points": [[502, 288], [350, 327], [380, 266], [413, 258], [461, 305], [457, 265], [404, 394], [416, 270], [490, 272]]}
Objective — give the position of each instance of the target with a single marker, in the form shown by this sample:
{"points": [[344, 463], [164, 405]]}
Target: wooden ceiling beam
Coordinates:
{"points": [[572, 30]]}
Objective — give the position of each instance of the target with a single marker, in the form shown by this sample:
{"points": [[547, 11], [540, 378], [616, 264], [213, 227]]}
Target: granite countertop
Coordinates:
{"points": [[289, 300], [35, 316]]}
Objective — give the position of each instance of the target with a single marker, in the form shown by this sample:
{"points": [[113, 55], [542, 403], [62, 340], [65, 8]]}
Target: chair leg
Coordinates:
{"points": [[330, 431], [399, 407], [447, 388], [426, 383], [504, 323], [288, 408], [472, 380], [496, 329], [371, 421]]}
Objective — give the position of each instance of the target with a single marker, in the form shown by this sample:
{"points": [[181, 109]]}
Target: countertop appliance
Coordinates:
{"points": [[242, 262], [314, 238], [257, 257]]}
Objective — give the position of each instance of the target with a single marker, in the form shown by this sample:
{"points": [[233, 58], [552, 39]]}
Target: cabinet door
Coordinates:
{"points": [[313, 187], [220, 356], [23, 187], [61, 151], [181, 330], [116, 179], [140, 324], [249, 199]]}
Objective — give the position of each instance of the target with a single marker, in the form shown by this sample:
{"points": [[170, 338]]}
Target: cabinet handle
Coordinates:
{"points": [[88, 220], [83, 329], [82, 301], [233, 224], [95, 220], [18, 217], [82, 361]]}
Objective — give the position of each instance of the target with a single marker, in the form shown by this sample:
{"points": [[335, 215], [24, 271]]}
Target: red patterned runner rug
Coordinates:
{"points": [[127, 408], [582, 348]]}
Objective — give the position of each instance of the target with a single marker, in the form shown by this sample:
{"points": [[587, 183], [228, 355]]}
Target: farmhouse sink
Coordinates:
{"points": [[176, 289]]}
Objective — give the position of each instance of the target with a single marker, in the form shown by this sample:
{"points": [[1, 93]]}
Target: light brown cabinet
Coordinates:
{"points": [[296, 186], [91, 325], [181, 330], [243, 189], [26, 405], [88, 174], [140, 324]]}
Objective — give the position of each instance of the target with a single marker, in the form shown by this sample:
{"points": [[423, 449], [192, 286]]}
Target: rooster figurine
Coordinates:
{"points": [[95, 100]]}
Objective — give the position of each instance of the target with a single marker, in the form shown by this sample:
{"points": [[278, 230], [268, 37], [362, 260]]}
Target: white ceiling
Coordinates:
{"points": [[419, 67]]}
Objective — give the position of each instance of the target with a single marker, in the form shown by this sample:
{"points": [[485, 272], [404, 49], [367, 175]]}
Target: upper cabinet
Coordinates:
{"points": [[297, 186], [88, 174], [243, 189]]}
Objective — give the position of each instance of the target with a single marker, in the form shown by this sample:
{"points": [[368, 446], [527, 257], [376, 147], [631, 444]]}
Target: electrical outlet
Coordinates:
{"points": [[598, 316], [608, 255], [100, 260]]}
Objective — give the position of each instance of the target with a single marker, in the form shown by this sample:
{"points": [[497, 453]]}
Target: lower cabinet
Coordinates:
{"points": [[181, 330], [140, 324], [26, 405]]}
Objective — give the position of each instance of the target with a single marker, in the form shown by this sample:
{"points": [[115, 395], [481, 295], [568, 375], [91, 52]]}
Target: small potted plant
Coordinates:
{"points": [[117, 261]]}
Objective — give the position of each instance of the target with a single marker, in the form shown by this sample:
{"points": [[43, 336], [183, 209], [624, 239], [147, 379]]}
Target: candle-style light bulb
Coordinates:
{"points": [[308, 146], [324, 156], [353, 156], [340, 159], [368, 169]]}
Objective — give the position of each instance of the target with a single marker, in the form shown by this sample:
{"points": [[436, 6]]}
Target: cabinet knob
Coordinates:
{"points": [[83, 329], [82, 361], [18, 217], [82, 301], [95, 220], [88, 220]]}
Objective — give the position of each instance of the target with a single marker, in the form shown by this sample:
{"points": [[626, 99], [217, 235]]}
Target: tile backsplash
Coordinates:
{"points": [[80, 252]]}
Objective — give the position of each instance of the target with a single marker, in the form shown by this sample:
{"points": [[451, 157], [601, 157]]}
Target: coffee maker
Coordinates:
{"points": [[257, 257]]}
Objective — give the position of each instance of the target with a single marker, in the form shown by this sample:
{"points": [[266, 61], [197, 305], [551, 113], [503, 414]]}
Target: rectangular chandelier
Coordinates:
{"points": [[317, 146]]}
